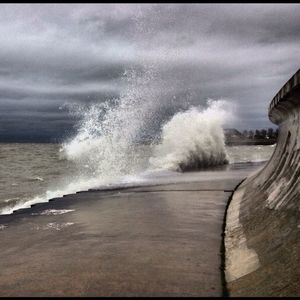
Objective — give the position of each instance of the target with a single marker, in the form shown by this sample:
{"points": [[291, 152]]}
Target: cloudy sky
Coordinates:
{"points": [[53, 54]]}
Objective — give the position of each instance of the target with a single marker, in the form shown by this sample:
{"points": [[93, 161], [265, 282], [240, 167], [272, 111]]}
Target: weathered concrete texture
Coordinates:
{"points": [[269, 213], [286, 100], [148, 241]]}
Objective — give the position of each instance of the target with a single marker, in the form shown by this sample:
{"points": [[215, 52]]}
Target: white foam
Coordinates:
{"points": [[54, 226], [3, 226], [38, 178], [193, 139], [54, 212]]}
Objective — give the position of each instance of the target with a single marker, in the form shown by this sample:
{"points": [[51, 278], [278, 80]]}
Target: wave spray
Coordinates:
{"points": [[193, 139]]}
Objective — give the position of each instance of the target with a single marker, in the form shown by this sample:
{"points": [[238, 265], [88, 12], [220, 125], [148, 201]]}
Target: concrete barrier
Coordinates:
{"points": [[262, 236]]}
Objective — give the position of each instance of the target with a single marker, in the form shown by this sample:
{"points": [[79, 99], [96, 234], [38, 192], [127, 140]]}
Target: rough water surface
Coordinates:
{"points": [[38, 172]]}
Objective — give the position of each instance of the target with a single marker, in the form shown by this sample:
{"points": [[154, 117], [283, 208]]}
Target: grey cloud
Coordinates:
{"points": [[51, 54]]}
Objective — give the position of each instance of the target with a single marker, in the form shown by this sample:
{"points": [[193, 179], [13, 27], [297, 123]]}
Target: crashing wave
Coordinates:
{"points": [[193, 139]]}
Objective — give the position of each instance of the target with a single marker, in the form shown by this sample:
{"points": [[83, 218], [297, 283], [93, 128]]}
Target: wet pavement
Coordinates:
{"points": [[159, 240]]}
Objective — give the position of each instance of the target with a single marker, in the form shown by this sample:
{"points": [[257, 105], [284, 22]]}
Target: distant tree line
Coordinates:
{"points": [[269, 133]]}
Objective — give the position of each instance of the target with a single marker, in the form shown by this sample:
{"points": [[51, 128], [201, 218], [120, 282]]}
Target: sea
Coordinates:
{"points": [[36, 172]]}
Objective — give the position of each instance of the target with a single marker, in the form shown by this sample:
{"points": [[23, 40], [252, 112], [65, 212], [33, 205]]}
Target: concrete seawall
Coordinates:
{"points": [[262, 237]]}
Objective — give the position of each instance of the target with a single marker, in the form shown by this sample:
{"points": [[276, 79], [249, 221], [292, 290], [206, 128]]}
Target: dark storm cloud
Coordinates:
{"points": [[52, 54]]}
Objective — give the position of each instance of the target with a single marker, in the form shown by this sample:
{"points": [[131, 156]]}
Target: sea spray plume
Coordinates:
{"points": [[108, 132], [193, 139]]}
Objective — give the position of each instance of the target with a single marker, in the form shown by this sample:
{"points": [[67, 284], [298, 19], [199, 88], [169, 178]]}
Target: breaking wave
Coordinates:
{"points": [[193, 139], [105, 145]]}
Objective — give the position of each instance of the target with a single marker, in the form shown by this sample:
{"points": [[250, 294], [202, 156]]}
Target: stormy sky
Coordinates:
{"points": [[57, 54]]}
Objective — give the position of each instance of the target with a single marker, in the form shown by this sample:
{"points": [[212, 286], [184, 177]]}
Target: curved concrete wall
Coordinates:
{"points": [[262, 236]]}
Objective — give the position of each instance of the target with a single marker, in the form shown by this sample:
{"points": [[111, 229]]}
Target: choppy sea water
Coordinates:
{"points": [[37, 172]]}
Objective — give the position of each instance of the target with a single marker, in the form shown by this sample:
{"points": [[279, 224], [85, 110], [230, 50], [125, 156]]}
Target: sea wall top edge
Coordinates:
{"points": [[286, 99]]}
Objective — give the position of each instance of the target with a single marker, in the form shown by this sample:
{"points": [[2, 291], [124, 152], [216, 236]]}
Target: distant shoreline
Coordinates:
{"points": [[250, 142]]}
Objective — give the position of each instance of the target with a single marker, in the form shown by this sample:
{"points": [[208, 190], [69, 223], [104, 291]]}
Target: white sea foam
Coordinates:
{"points": [[3, 226], [38, 178], [54, 225], [53, 212], [193, 139]]}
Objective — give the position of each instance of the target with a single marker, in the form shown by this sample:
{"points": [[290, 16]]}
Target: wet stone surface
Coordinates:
{"points": [[148, 241]]}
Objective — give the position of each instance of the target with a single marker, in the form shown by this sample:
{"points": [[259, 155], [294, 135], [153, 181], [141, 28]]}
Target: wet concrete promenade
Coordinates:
{"points": [[159, 240]]}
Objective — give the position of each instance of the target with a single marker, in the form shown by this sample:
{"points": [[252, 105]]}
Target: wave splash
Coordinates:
{"points": [[106, 149], [193, 139]]}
